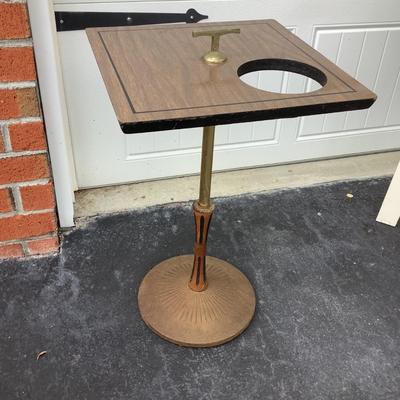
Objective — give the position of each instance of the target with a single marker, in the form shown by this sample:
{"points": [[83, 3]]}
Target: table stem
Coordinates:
{"points": [[203, 210]]}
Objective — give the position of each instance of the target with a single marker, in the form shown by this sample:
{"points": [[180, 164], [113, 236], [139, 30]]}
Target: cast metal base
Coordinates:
{"points": [[196, 319]]}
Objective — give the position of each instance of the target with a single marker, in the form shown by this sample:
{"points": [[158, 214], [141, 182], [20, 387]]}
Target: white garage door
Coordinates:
{"points": [[363, 37]]}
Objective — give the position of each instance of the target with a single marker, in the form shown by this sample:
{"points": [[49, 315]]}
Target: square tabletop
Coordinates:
{"points": [[157, 80]]}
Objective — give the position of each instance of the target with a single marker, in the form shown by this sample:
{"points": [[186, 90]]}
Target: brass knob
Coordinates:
{"points": [[214, 56]]}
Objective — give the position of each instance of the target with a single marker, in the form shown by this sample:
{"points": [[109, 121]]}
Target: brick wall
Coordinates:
{"points": [[28, 221]]}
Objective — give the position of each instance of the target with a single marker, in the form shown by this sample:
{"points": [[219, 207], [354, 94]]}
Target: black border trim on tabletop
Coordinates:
{"points": [[250, 116], [75, 20]]}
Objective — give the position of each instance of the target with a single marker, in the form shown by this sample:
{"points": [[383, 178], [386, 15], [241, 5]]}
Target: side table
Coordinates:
{"points": [[174, 76]]}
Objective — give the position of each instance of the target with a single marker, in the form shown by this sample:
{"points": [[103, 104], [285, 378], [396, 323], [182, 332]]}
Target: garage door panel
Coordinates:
{"points": [[386, 79], [368, 53]]}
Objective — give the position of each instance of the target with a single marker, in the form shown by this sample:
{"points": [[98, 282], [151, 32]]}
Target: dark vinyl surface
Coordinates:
{"points": [[326, 325]]}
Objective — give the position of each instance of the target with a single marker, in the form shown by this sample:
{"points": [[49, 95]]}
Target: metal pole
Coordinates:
{"points": [[206, 166]]}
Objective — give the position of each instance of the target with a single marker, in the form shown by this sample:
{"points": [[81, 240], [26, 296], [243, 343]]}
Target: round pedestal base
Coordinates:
{"points": [[196, 319]]}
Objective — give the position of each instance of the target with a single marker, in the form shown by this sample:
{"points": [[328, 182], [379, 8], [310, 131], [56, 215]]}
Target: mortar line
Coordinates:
{"points": [[6, 139], [25, 183], [25, 213]]}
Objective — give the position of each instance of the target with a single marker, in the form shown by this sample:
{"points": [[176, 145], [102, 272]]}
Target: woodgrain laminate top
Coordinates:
{"points": [[157, 80]]}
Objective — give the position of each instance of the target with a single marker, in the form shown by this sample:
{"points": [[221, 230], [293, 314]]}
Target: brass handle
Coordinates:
{"points": [[214, 56]]}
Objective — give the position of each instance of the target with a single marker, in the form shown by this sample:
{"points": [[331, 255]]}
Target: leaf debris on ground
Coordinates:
{"points": [[40, 354]]}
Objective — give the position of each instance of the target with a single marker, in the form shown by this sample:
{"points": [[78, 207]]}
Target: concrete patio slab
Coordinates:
{"points": [[110, 199]]}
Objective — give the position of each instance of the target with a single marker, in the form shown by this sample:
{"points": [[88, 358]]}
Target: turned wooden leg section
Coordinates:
{"points": [[202, 219]]}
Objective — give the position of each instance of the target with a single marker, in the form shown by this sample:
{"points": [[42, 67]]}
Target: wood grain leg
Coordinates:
{"points": [[202, 218], [390, 210]]}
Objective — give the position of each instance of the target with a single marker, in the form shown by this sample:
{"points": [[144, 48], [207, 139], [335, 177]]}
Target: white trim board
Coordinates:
{"points": [[390, 211], [41, 15]]}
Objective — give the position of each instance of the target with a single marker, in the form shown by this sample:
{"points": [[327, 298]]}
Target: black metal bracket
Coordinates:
{"points": [[72, 21]]}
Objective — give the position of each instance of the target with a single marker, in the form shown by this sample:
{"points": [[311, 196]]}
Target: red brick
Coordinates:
{"points": [[8, 104], [17, 64], [6, 203], [23, 226], [43, 246], [28, 136], [16, 103], [11, 250], [14, 21], [38, 197], [1, 143], [23, 168]]}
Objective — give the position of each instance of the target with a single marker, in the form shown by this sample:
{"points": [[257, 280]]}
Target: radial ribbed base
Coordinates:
{"points": [[196, 319]]}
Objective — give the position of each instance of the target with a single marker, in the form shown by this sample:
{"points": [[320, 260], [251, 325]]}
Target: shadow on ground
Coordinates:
{"points": [[326, 276]]}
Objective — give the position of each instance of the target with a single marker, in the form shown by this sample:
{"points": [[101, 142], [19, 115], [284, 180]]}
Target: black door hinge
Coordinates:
{"points": [[72, 21]]}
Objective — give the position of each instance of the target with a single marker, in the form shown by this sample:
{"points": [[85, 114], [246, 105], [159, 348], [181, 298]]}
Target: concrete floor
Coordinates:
{"points": [[326, 326], [139, 195]]}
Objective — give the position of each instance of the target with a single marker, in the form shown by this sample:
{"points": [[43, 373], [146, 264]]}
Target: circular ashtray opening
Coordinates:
{"points": [[280, 75]]}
